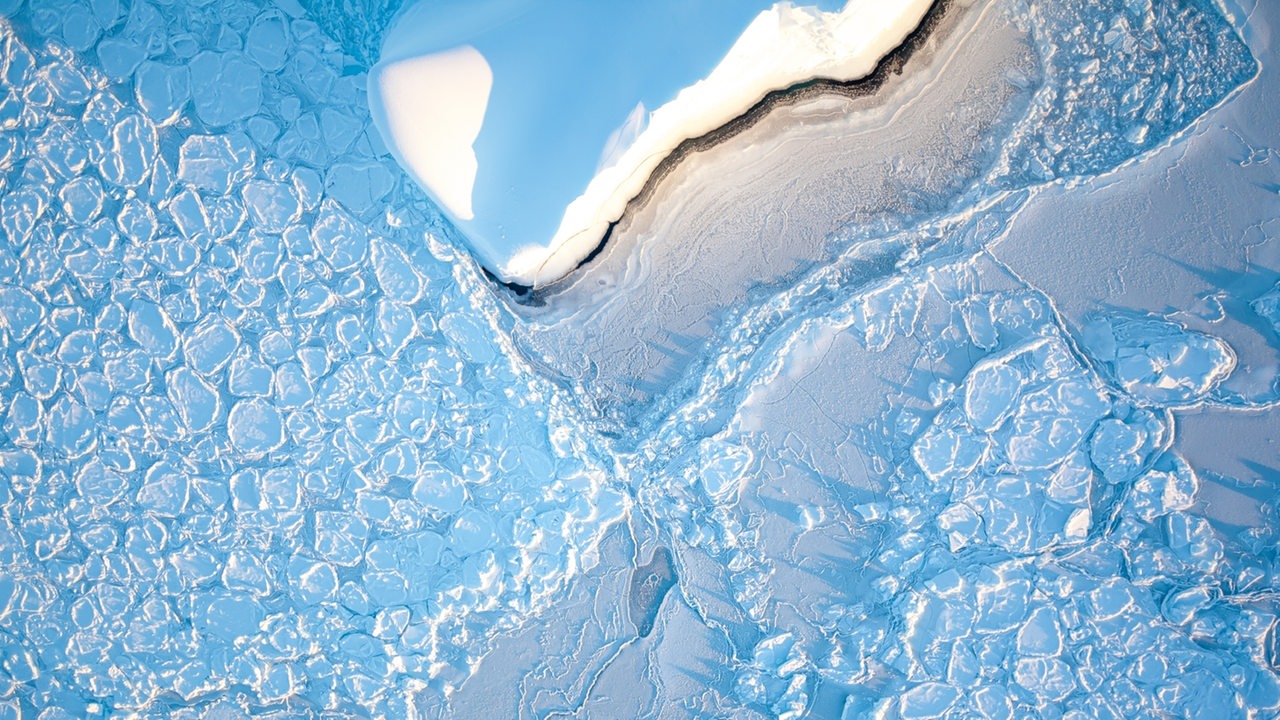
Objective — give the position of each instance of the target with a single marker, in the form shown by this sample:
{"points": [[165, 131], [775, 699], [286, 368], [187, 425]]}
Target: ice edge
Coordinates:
{"points": [[783, 47]]}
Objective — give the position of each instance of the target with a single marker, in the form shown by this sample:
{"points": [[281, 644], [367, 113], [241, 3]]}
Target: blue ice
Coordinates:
{"points": [[557, 97], [953, 399]]}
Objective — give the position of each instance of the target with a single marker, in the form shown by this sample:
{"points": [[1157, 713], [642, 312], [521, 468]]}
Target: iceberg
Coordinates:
{"points": [[528, 123]]}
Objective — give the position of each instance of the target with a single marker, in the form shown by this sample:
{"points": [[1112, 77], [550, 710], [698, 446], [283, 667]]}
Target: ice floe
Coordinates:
{"points": [[1158, 361], [431, 99]]}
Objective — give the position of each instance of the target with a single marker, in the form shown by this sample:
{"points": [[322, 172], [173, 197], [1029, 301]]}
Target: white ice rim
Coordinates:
{"points": [[784, 46]]}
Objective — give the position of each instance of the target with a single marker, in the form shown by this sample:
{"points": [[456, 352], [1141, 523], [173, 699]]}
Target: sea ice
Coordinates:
{"points": [[947, 394]]}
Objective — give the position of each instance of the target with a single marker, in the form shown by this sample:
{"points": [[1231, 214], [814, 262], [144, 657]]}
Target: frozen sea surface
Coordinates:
{"points": [[948, 395]]}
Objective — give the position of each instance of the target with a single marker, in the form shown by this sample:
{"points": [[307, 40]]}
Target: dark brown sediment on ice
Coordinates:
{"points": [[892, 64]]}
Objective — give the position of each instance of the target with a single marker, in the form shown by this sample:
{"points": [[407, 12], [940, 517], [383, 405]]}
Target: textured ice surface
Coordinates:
{"points": [[954, 399], [261, 448]]}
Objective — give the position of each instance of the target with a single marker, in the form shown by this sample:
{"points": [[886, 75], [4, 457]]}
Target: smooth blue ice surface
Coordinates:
{"points": [[954, 399], [566, 76]]}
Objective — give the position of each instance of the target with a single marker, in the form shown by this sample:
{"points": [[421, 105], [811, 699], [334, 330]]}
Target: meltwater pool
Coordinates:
{"points": [[948, 392]]}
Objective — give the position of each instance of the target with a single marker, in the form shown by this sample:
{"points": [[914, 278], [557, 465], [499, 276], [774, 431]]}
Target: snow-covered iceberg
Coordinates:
{"points": [[529, 123]]}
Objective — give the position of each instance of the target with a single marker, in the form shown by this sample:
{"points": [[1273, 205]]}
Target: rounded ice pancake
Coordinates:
{"points": [[586, 99]]}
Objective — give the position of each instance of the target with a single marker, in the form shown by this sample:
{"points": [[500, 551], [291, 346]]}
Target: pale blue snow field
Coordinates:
{"points": [[950, 394]]}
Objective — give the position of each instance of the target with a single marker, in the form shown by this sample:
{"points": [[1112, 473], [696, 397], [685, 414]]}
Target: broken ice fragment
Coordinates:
{"points": [[649, 586], [1041, 635], [1170, 485], [196, 402], [255, 427], [1048, 678], [1159, 361], [990, 391], [472, 531], [228, 615], [150, 327], [928, 700]]}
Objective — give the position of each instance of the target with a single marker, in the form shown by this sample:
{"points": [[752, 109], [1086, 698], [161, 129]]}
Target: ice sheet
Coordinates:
{"points": [[536, 172]]}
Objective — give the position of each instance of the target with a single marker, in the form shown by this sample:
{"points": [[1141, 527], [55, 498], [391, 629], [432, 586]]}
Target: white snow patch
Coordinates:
{"points": [[429, 110]]}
